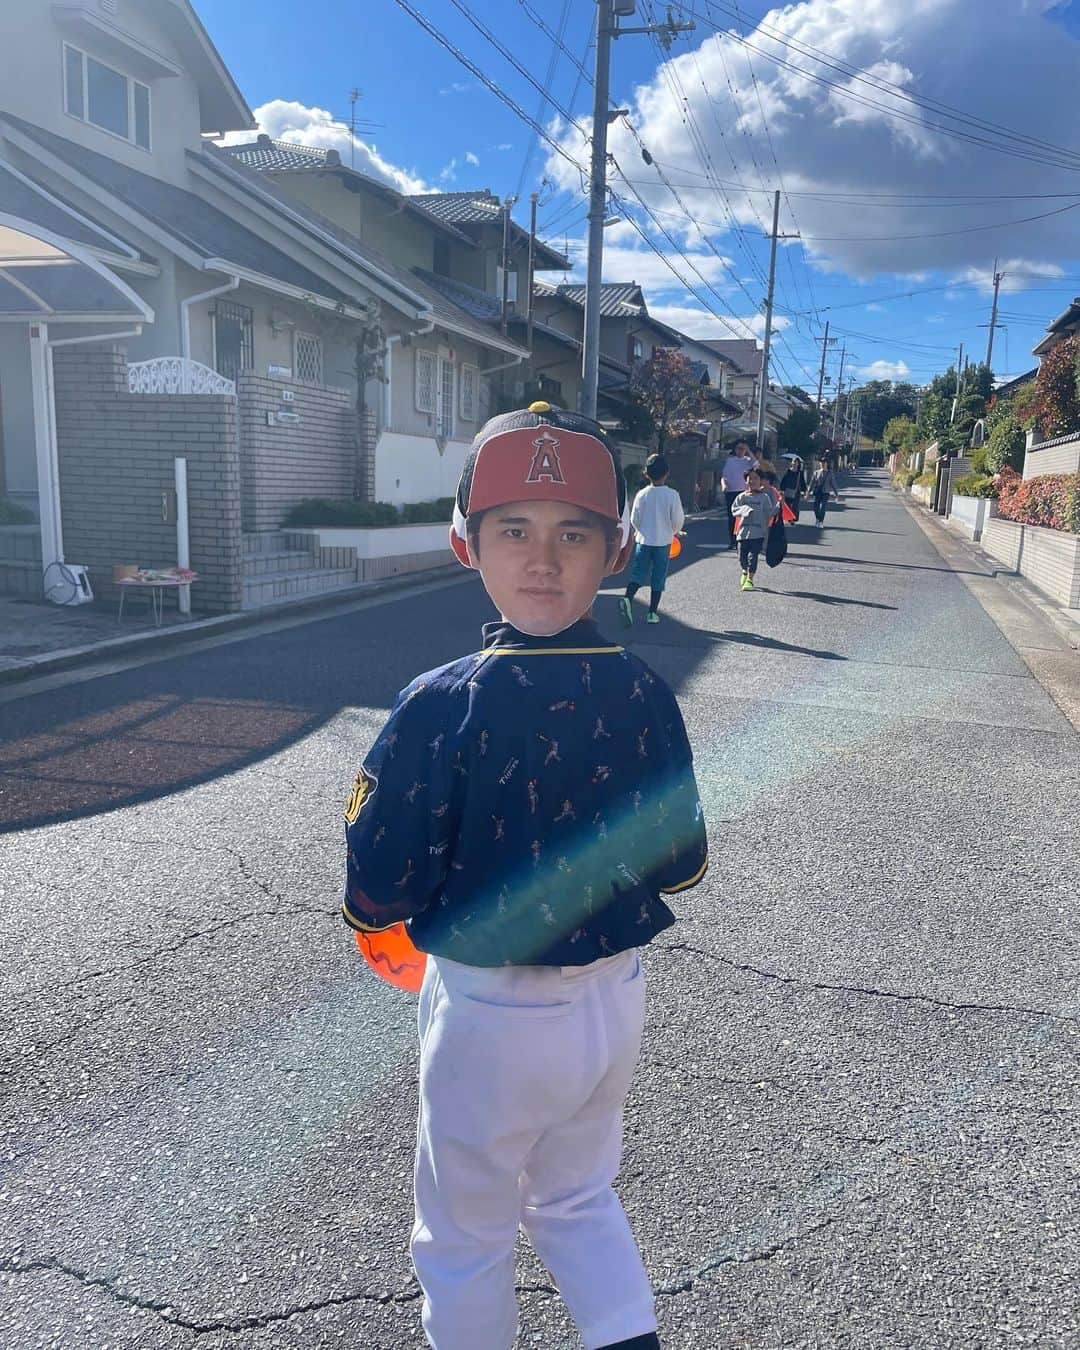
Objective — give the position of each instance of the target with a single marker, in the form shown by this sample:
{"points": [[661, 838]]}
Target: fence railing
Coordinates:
{"points": [[176, 375]]}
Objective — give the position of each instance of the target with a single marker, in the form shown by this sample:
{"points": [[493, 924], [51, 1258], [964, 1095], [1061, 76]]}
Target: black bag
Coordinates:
{"points": [[776, 547]]}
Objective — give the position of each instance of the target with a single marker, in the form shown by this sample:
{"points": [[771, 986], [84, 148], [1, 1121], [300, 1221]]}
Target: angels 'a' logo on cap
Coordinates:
{"points": [[545, 466]]}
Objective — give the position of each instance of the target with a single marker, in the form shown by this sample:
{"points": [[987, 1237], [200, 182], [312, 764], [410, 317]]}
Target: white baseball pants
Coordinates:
{"points": [[524, 1071]]}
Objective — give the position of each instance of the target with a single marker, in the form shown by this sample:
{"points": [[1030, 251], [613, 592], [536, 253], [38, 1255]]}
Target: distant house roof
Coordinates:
{"points": [[743, 353], [1058, 329], [618, 299], [479, 208], [1007, 387], [265, 155]]}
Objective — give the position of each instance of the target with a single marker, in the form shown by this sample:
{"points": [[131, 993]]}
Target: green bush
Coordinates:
{"points": [[10, 514], [927, 478], [315, 511], [1005, 446], [904, 478], [976, 485], [320, 512], [427, 513]]}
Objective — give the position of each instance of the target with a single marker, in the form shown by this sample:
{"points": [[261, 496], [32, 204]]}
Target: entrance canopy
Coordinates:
{"points": [[44, 278]]}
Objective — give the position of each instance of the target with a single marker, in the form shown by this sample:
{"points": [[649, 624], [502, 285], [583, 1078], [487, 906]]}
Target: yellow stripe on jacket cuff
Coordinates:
{"points": [[359, 926], [685, 885]]}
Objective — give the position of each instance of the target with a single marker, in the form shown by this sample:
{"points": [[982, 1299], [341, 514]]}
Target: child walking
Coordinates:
{"points": [[657, 517], [525, 810], [754, 510]]}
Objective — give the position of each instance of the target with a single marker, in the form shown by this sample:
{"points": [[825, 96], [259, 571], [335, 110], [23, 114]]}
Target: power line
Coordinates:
{"points": [[553, 63], [1061, 159]]}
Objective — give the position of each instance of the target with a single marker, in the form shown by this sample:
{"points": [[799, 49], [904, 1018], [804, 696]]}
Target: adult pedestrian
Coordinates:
{"points": [[733, 479], [793, 484], [821, 485]]}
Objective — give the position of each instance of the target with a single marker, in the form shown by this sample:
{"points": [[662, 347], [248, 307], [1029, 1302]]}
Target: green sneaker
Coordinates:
{"points": [[749, 582], [626, 609], [652, 617], [744, 582]]}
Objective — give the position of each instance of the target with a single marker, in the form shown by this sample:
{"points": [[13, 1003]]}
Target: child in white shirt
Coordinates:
{"points": [[657, 517]]}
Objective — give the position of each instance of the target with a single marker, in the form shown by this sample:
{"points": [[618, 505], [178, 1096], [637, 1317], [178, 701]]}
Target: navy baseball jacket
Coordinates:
{"points": [[527, 805]]}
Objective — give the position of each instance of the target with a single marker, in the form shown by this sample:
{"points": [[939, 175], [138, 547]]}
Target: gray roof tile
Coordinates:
{"points": [[42, 206]]}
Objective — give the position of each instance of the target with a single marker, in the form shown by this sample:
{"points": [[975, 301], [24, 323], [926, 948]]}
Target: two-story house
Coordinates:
{"points": [[122, 225], [453, 247]]}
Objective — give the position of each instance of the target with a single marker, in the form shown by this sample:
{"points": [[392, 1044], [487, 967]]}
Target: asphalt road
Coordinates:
{"points": [[857, 1117]]}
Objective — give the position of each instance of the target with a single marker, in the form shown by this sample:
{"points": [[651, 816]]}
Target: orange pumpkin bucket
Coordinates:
{"points": [[392, 956], [676, 547]]}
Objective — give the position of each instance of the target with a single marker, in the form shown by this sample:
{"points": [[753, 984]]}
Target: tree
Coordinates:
{"points": [[797, 432], [1006, 444], [668, 391], [882, 400], [899, 435], [1057, 399]]}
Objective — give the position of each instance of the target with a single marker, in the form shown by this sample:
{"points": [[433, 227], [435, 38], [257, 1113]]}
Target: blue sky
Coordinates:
{"points": [[868, 174]]}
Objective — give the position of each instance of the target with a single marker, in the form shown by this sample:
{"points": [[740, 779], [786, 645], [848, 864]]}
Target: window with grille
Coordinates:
{"points": [[426, 377], [308, 358], [106, 98], [469, 377], [445, 421], [234, 338]]}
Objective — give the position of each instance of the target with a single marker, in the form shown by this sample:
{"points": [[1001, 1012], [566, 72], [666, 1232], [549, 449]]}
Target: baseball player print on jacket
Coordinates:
{"points": [[532, 803]]}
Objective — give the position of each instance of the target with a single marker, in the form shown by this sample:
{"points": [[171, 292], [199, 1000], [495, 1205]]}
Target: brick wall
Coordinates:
{"points": [[116, 455], [283, 462]]}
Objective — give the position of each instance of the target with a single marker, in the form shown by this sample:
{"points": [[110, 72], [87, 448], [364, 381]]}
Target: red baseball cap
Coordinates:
{"points": [[541, 453]]}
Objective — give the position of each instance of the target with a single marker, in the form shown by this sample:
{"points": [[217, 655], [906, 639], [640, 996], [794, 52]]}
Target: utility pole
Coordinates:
{"points": [[533, 199], [959, 385], [354, 95], [607, 14], [839, 391], [993, 316], [508, 206], [821, 373], [763, 387]]}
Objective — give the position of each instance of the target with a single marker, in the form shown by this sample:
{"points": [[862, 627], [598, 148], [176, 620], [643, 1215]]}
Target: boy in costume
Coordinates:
{"points": [[524, 810]]}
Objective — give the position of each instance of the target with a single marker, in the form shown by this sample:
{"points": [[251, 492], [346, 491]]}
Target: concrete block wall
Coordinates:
{"points": [[282, 462], [116, 454], [1061, 456], [1049, 559]]}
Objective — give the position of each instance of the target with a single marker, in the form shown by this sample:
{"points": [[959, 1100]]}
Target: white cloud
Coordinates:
{"points": [[448, 172], [697, 322], [625, 260], [1017, 275], [503, 145], [459, 87], [874, 308], [885, 370], [471, 157], [300, 125], [881, 160]]}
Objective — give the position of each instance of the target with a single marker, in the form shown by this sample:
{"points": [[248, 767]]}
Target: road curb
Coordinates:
{"points": [[1066, 627], [197, 629]]}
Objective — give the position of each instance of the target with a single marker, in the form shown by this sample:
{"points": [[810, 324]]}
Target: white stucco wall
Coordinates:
{"points": [[410, 468], [33, 83], [391, 541]]}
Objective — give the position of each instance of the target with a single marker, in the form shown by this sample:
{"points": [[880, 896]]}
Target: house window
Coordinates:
{"points": [[106, 98], [234, 338], [444, 425], [469, 377], [426, 377], [308, 358], [635, 350]]}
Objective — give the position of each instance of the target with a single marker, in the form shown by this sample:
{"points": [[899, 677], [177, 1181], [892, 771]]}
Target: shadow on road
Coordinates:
{"points": [[829, 599]]}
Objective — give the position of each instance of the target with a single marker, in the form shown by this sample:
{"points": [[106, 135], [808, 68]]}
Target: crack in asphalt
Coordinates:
{"points": [[166, 1312], [684, 1285], [866, 990], [254, 1322], [178, 944]]}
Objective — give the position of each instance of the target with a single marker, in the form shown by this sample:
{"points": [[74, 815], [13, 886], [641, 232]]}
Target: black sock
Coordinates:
{"points": [[648, 1342], [654, 600], [631, 590]]}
